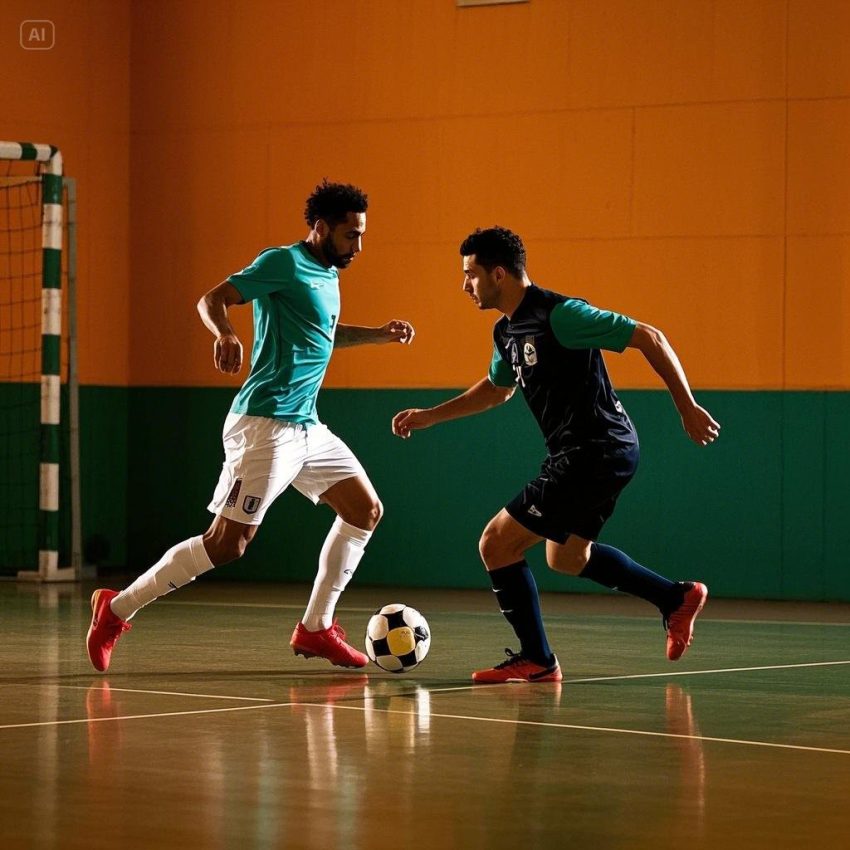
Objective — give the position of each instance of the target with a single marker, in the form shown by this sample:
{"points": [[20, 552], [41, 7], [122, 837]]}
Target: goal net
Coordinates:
{"points": [[35, 505]]}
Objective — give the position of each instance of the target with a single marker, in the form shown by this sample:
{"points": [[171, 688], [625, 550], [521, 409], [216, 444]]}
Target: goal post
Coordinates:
{"points": [[47, 179]]}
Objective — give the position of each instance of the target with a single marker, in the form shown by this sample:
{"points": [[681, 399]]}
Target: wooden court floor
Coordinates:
{"points": [[208, 733]]}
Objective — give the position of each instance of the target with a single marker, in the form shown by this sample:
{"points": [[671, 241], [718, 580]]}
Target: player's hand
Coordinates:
{"points": [[413, 419], [396, 331], [227, 354], [700, 426]]}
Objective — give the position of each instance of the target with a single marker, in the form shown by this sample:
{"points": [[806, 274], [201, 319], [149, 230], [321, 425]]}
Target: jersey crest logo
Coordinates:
{"points": [[529, 352], [250, 504]]}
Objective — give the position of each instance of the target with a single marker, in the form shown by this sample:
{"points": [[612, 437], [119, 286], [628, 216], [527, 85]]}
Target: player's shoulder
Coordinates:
{"points": [[547, 298], [572, 305], [559, 299], [276, 260]]}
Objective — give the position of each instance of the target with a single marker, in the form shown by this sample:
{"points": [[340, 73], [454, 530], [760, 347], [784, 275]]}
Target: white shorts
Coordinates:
{"points": [[262, 457]]}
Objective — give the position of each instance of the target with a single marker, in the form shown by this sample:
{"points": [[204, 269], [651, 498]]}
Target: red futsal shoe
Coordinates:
{"points": [[680, 623], [517, 668], [105, 629], [327, 643]]}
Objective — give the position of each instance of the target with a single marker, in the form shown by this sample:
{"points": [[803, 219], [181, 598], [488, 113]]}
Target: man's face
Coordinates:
{"points": [[344, 241], [481, 286]]}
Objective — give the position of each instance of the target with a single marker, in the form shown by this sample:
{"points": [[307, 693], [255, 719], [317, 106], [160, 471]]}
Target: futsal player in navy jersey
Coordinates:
{"points": [[549, 345]]}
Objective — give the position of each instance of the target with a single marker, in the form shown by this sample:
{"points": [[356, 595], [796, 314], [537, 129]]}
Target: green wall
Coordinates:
{"points": [[104, 480], [760, 514], [20, 457]]}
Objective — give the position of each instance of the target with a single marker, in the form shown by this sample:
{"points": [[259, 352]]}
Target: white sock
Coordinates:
{"points": [[341, 553], [178, 566]]}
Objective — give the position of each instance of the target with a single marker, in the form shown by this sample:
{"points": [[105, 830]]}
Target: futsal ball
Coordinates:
{"points": [[397, 638]]}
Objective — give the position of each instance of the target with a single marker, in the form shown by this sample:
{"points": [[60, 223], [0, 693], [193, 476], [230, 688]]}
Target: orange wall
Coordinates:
{"points": [[76, 96], [684, 161]]}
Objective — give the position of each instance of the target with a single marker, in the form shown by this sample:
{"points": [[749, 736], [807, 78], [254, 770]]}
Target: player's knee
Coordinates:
{"points": [[365, 516], [376, 511], [571, 563], [493, 551], [224, 549]]}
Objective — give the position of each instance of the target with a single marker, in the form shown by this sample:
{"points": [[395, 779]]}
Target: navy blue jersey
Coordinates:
{"points": [[550, 348]]}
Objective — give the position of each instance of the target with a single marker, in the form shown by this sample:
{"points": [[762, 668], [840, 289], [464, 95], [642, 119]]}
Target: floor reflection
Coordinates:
{"points": [[681, 721]]}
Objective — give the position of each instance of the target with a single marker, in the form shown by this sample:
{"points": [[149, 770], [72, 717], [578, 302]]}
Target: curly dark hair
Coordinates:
{"points": [[332, 202], [496, 246]]}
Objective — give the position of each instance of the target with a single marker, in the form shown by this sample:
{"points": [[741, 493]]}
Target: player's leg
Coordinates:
{"points": [[678, 602], [262, 457], [358, 511], [503, 545], [612, 568], [111, 611], [587, 493], [331, 474], [224, 541]]}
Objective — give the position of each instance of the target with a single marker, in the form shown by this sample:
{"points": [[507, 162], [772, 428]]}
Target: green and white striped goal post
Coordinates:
{"points": [[51, 338]]}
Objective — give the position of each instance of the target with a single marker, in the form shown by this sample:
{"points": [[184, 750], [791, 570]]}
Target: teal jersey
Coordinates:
{"points": [[296, 308]]}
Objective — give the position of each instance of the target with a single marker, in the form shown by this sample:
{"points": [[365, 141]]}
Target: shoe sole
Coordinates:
{"points": [[304, 653], [693, 619], [515, 681], [93, 603], [542, 680]]}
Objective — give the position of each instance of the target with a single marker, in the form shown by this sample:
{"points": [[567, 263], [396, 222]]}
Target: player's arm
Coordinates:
{"points": [[396, 330], [698, 422], [478, 398], [227, 351]]}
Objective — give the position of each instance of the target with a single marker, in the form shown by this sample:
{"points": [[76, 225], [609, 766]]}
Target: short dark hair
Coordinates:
{"points": [[496, 246], [332, 202]]}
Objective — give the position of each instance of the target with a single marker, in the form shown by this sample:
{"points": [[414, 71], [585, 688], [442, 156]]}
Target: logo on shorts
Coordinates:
{"points": [[234, 494], [529, 352], [534, 512], [251, 504]]}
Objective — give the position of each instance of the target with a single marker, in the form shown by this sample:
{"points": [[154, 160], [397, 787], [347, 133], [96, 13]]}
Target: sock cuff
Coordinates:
{"points": [[357, 536], [199, 554], [502, 574], [594, 550]]}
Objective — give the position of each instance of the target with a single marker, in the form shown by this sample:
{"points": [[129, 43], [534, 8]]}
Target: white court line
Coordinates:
{"points": [[645, 676], [164, 693], [703, 672], [170, 602], [587, 728], [145, 716], [572, 616]]}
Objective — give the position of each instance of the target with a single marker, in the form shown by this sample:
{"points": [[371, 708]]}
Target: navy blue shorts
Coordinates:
{"points": [[575, 492]]}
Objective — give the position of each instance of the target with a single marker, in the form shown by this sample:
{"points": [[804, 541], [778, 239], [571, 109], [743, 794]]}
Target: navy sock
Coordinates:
{"points": [[519, 601], [615, 569]]}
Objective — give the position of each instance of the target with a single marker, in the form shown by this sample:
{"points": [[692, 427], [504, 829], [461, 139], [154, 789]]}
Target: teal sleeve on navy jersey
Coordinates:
{"points": [[500, 373], [577, 324], [272, 270]]}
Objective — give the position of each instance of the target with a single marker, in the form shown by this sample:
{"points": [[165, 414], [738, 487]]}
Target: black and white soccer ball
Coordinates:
{"points": [[397, 638]]}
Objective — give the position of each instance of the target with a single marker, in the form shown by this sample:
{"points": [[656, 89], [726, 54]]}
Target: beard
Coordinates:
{"points": [[332, 256]]}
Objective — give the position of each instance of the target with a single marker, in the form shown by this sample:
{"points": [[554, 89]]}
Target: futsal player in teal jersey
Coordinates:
{"points": [[272, 436], [549, 345]]}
